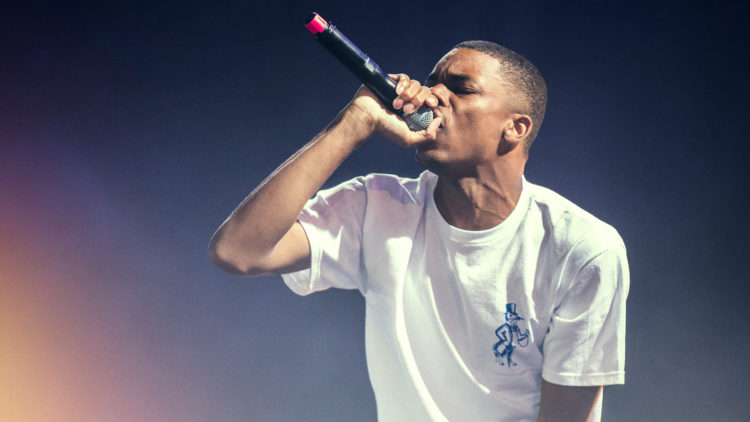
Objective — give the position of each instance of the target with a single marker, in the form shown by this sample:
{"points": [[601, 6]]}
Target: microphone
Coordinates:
{"points": [[382, 85]]}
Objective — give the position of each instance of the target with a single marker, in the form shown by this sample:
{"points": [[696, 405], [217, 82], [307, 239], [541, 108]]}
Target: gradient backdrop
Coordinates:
{"points": [[130, 130]]}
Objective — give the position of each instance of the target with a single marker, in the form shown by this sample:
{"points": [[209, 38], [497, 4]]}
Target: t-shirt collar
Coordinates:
{"points": [[505, 228]]}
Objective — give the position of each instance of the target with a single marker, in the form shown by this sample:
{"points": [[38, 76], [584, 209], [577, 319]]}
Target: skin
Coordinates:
{"points": [[478, 149], [564, 403], [474, 144]]}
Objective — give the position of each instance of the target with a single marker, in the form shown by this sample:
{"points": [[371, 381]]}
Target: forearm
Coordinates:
{"points": [[264, 217], [566, 403]]}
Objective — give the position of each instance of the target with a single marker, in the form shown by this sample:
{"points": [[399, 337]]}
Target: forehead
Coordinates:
{"points": [[479, 67]]}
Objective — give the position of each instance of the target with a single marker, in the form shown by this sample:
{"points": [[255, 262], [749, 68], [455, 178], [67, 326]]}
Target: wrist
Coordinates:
{"points": [[357, 121]]}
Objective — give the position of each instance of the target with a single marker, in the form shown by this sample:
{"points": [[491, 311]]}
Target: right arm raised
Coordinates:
{"points": [[262, 235]]}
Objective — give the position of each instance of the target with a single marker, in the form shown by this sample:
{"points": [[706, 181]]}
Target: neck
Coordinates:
{"points": [[480, 201]]}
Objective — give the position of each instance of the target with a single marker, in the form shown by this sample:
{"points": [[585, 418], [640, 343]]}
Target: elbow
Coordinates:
{"points": [[220, 255], [227, 258]]}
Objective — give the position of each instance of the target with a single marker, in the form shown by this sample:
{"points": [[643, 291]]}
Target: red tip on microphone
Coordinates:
{"points": [[316, 24]]}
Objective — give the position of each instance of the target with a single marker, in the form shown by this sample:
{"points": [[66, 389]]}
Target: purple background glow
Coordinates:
{"points": [[129, 131]]}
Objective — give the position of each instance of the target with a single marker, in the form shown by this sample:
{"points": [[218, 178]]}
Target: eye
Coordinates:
{"points": [[462, 91]]}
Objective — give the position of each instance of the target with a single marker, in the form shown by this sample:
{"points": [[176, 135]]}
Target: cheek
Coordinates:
{"points": [[481, 120], [481, 130], [474, 127]]}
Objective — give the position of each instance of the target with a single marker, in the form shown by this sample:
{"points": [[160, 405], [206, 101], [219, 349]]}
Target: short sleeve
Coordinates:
{"points": [[585, 344], [332, 221]]}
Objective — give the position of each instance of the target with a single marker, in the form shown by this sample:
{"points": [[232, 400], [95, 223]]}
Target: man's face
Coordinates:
{"points": [[476, 105]]}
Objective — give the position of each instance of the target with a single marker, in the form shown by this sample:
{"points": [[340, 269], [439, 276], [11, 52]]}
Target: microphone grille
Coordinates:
{"points": [[420, 119]]}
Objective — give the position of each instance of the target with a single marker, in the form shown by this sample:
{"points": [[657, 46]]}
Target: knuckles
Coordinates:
{"points": [[410, 91]]}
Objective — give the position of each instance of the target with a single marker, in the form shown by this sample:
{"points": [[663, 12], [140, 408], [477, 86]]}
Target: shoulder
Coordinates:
{"points": [[589, 253], [403, 189], [385, 188], [378, 189], [571, 228]]}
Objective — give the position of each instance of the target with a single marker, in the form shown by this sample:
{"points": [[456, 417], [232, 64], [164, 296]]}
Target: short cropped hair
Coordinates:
{"points": [[522, 74]]}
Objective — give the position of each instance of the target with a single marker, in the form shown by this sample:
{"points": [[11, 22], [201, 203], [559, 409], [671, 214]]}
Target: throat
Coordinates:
{"points": [[470, 205]]}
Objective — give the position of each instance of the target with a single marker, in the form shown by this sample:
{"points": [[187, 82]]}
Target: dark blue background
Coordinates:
{"points": [[140, 125]]}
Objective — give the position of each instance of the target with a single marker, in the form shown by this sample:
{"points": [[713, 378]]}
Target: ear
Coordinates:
{"points": [[518, 128]]}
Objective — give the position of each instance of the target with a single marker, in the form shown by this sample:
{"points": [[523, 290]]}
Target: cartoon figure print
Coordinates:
{"points": [[510, 337]]}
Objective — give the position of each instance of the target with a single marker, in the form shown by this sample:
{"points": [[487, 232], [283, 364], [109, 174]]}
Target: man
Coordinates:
{"points": [[454, 261]]}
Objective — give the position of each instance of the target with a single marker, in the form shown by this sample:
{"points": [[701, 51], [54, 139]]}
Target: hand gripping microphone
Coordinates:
{"points": [[382, 85]]}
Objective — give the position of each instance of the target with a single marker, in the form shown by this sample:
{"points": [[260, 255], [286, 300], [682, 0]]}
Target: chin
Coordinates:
{"points": [[427, 158], [437, 162]]}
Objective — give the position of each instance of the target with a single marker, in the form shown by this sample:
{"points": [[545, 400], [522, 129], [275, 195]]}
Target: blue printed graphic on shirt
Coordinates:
{"points": [[510, 337]]}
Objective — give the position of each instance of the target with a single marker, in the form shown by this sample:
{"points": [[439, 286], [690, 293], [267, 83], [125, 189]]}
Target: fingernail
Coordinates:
{"points": [[409, 108], [397, 103]]}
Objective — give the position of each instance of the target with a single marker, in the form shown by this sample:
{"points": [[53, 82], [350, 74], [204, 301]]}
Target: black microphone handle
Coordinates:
{"points": [[371, 75]]}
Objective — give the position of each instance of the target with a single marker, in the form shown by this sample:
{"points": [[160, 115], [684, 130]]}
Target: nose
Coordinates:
{"points": [[442, 93]]}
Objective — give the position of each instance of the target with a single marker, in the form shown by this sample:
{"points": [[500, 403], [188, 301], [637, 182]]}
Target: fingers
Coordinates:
{"points": [[411, 95]]}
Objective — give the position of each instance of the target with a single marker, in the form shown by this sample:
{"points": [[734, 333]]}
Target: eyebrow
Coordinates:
{"points": [[452, 77]]}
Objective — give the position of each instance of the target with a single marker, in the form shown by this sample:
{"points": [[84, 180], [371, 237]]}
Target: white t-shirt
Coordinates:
{"points": [[462, 325]]}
